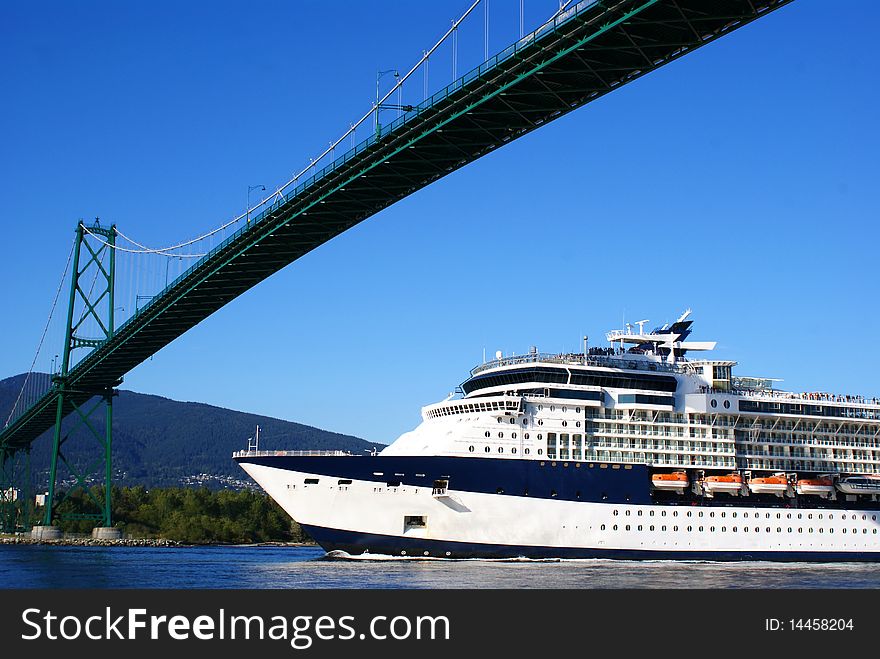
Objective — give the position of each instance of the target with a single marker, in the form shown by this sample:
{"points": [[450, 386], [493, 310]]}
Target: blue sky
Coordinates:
{"points": [[740, 181]]}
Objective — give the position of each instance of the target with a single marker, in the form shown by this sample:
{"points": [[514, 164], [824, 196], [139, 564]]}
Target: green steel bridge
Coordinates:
{"points": [[583, 53]]}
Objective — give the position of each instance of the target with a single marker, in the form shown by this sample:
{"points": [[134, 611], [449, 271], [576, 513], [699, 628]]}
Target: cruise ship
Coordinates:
{"points": [[633, 451]]}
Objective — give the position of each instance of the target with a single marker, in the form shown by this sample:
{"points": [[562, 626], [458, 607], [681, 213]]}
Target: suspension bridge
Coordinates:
{"points": [[582, 52]]}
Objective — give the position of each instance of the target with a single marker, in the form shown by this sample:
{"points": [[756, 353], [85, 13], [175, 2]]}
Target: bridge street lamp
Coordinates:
{"points": [[248, 209], [379, 75]]}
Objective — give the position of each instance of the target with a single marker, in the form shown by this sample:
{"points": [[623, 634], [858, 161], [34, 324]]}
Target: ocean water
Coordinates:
{"points": [[42, 566]]}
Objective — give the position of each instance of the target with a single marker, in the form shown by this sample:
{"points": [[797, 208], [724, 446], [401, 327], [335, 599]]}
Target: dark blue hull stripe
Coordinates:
{"points": [[355, 543], [539, 479]]}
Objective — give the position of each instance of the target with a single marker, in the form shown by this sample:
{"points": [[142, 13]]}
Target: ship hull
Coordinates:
{"points": [[493, 508]]}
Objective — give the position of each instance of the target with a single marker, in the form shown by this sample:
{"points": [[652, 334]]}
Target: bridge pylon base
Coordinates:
{"points": [[44, 533], [106, 533]]}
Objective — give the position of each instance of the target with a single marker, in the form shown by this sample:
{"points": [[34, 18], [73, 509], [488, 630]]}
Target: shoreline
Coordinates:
{"points": [[137, 542]]}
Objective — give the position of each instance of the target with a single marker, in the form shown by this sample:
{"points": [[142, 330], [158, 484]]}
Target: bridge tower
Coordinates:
{"points": [[90, 309]]}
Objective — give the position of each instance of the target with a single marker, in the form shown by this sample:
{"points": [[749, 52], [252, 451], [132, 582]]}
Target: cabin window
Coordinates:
{"points": [[414, 522], [344, 481], [311, 481]]}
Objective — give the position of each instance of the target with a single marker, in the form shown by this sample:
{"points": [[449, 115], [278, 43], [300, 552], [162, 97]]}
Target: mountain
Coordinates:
{"points": [[162, 442]]}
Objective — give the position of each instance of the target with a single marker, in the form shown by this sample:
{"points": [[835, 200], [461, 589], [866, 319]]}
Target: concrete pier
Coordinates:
{"points": [[106, 533], [46, 533]]}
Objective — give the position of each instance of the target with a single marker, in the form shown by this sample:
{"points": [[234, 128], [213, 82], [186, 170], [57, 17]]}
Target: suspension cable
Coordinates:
{"points": [[43, 336]]}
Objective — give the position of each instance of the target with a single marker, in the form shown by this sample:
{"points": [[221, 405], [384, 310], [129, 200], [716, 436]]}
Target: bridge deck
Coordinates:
{"points": [[592, 49]]}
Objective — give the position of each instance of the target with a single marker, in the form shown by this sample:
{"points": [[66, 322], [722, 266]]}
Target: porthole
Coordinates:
{"points": [[727, 405], [501, 449], [471, 449], [488, 433], [714, 403], [577, 424], [639, 527], [564, 424], [552, 408], [552, 464], [615, 513], [690, 514], [663, 528], [779, 529], [768, 529], [626, 513], [540, 407], [501, 434], [487, 449], [675, 513], [512, 420], [564, 409], [526, 451], [675, 528], [627, 527], [662, 513], [602, 528], [651, 528], [513, 435], [578, 410], [690, 528], [639, 513], [525, 422], [700, 514], [539, 451], [540, 422], [614, 528], [540, 436], [525, 435]]}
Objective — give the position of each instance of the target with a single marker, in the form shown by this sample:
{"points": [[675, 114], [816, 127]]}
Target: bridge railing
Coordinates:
{"points": [[278, 200]]}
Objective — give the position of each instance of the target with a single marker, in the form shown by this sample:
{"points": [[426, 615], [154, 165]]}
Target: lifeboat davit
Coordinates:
{"points": [[777, 485], [677, 481], [859, 485], [729, 483], [820, 487]]}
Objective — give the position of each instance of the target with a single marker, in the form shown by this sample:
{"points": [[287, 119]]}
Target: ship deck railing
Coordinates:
{"points": [[810, 397], [266, 454], [579, 359]]}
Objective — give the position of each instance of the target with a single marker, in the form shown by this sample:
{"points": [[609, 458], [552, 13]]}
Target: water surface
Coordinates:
{"points": [[43, 566]]}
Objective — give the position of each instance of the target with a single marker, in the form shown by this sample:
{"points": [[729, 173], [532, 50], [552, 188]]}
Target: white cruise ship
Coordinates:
{"points": [[634, 451]]}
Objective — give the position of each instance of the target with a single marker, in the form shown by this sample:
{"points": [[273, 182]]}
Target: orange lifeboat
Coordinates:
{"points": [[820, 487], [677, 481], [777, 485], [729, 483]]}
